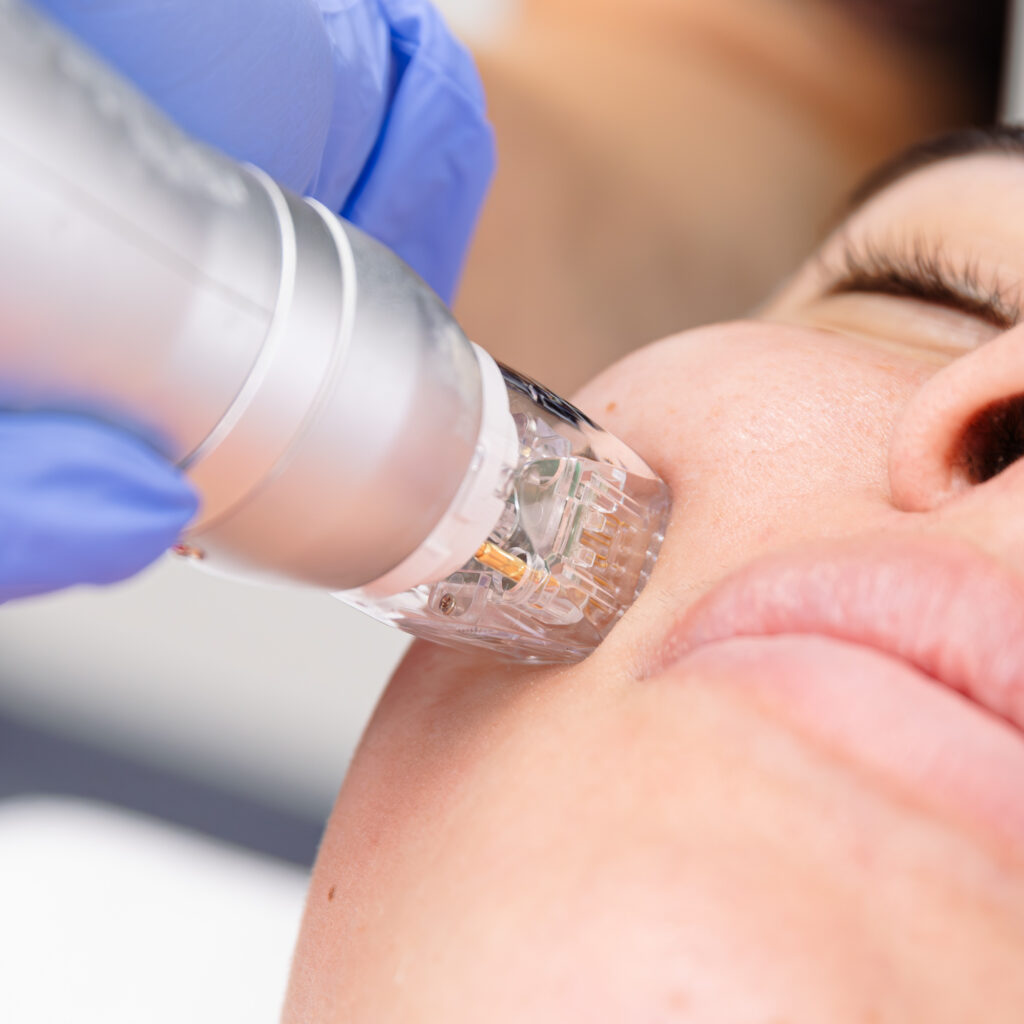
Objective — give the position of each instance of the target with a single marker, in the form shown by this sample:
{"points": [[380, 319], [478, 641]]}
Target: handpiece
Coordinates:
{"points": [[339, 427]]}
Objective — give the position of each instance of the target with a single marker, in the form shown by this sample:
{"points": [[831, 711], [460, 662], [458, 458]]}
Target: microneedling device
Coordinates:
{"points": [[339, 427]]}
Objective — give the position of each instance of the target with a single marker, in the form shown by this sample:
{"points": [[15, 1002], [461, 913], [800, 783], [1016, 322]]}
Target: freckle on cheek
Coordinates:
{"points": [[611, 407]]}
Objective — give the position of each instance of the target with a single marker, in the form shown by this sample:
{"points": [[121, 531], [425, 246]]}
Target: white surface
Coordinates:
{"points": [[265, 691], [113, 919], [1013, 74], [477, 18], [1012, 98]]}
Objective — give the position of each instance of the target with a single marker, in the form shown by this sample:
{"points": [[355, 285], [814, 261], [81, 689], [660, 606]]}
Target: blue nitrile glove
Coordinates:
{"points": [[81, 502], [369, 105]]}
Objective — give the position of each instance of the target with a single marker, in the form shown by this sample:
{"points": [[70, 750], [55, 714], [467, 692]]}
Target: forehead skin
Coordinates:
{"points": [[972, 206], [594, 843]]}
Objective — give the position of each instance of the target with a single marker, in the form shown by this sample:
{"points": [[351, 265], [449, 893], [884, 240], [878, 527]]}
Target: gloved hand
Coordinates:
{"points": [[81, 502], [369, 105]]}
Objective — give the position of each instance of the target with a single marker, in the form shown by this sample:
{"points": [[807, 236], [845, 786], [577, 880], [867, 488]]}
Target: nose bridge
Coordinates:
{"points": [[962, 427]]}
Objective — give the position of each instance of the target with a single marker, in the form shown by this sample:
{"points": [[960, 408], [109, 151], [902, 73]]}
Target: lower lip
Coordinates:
{"points": [[932, 744]]}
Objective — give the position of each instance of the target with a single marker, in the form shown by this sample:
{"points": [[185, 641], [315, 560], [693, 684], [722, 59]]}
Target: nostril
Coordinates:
{"points": [[962, 427], [992, 440]]}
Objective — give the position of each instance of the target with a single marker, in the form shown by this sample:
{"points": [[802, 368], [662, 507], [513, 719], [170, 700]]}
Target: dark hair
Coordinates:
{"points": [[969, 35], [994, 138]]}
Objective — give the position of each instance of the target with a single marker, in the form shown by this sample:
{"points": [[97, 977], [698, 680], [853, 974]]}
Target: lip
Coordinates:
{"points": [[851, 639], [938, 606]]}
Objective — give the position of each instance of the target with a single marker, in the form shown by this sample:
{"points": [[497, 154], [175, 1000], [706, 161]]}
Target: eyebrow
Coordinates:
{"points": [[996, 138]]}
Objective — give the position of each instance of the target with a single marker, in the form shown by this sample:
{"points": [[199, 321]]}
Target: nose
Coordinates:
{"points": [[964, 426]]}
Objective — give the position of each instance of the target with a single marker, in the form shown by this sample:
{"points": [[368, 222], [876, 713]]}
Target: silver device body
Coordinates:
{"points": [[340, 429], [321, 398]]}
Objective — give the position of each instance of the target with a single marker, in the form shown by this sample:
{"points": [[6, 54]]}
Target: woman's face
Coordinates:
{"points": [[789, 787]]}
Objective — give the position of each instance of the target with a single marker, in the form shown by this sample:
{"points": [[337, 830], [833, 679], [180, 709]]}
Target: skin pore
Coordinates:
{"points": [[765, 829]]}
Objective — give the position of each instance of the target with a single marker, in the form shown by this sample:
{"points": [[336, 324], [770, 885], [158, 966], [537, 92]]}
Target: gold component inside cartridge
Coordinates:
{"points": [[513, 568], [501, 561]]}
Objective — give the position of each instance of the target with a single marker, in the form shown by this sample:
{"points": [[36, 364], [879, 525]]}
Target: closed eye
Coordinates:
{"points": [[922, 272]]}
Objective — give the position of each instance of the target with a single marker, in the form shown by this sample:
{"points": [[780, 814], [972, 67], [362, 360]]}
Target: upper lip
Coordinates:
{"points": [[938, 605]]}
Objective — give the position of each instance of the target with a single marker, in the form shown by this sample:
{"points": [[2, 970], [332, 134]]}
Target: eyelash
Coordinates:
{"points": [[922, 271]]}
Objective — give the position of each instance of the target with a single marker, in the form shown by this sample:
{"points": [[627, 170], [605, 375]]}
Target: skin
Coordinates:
{"points": [[600, 843], [629, 132]]}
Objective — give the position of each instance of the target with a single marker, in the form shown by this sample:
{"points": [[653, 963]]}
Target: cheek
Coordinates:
{"points": [[635, 853], [757, 418]]}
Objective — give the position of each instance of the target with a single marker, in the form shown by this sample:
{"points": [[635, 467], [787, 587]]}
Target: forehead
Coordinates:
{"points": [[976, 199], [967, 210]]}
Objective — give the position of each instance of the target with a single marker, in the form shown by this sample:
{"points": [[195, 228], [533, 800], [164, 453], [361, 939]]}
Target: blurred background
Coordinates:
{"points": [[170, 748], [258, 694], [169, 751]]}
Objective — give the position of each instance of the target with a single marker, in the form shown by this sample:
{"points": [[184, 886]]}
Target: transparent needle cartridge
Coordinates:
{"points": [[338, 426], [581, 521]]}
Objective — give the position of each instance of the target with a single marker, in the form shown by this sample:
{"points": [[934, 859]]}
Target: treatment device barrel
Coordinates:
{"points": [[340, 429], [321, 397]]}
